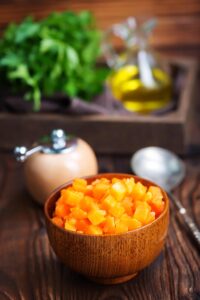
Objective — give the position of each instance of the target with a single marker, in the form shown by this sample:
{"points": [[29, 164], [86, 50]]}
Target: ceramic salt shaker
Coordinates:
{"points": [[54, 162]]}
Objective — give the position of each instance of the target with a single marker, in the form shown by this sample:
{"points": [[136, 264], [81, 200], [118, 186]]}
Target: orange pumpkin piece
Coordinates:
{"points": [[92, 229], [88, 203], [128, 205], [147, 197], [117, 210], [60, 200], [100, 189], [130, 222], [78, 213], [156, 192], [89, 190], [129, 183], [61, 210], [72, 197], [114, 180], [70, 224], [156, 203], [157, 207], [134, 224], [108, 225], [96, 216], [151, 217], [58, 221], [108, 202], [80, 185], [121, 227], [142, 211], [82, 225], [139, 191], [118, 190]]}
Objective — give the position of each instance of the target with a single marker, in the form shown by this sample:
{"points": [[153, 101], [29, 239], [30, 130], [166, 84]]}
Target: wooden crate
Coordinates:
{"points": [[111, 134]]}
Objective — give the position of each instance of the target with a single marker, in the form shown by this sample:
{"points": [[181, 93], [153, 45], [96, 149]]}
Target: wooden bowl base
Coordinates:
{"points": [[114, 280]]}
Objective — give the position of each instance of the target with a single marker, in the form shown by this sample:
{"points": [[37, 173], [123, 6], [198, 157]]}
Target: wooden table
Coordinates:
{"points": [[29, 269]]}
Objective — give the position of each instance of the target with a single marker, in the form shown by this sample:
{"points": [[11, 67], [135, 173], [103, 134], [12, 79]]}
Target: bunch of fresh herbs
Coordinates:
{"points": [[55, 55]]}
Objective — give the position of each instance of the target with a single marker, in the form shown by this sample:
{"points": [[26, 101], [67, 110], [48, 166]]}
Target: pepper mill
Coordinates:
{"points": [[52, 163]]}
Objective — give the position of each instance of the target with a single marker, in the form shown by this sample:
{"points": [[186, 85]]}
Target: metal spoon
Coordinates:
{"points": [[167, 170]]}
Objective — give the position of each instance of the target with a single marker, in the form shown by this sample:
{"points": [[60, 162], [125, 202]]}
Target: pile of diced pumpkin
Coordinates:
{"points": [[107, 206]]}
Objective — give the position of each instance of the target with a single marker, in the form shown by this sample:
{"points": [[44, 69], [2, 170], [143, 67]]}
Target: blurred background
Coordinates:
{"points": [[176, 35], [179, 21]]}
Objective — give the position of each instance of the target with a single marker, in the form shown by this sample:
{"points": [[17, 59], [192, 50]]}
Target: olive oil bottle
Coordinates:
{"points": [[127, 86], [137, 79]]}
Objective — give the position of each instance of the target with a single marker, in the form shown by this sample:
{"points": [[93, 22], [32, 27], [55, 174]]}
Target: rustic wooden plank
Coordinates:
{"points": [[30, 270], [108, 136], [178, 17], [102, 7]]}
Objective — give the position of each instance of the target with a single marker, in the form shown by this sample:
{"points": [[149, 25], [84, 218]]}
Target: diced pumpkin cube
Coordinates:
{"points": [[60, 200], [134, 224], [121, 227], [72, 197], [130, 222], [61, 210], [156, 203], [96, 216], [117, 210], [95, 181], [114, 180], [129, 183], [109, 225], [58, 221], [142, 211], [80, 185], [78, 213], [128, 205], [157, 206], [108, 202], [118, 190], [147, 197], [89, 190], [105, 180], [92, 229], [156, 192], [151, 217], [82, 225], [100, 189], [70, 224], [139, 191], [88, 203]]}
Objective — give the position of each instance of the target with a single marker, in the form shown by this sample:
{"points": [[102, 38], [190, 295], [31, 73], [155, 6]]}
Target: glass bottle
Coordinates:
{"points": [[137, 78]]}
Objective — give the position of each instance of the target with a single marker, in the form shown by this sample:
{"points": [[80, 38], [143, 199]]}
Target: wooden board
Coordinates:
{"points": [[110, 134], [178, 21]]}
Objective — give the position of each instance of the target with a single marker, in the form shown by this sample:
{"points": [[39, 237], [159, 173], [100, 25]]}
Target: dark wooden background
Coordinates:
{"points": [[179, 20]]}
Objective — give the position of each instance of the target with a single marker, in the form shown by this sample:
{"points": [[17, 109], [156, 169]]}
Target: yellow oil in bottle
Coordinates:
{"points": [[127, 86]]}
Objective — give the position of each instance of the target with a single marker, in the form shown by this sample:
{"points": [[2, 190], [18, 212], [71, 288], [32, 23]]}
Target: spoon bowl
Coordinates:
{"points": [[159, 165]]}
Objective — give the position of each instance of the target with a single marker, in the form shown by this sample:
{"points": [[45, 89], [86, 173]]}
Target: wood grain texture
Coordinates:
{"points": [[29, 269], [179, 21]]}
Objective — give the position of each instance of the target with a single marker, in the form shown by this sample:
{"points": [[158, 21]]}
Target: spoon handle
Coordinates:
{"points": [[188, 220]]}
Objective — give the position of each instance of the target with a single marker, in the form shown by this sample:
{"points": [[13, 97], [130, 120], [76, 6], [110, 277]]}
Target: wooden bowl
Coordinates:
{"points": [[108, 259]]}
